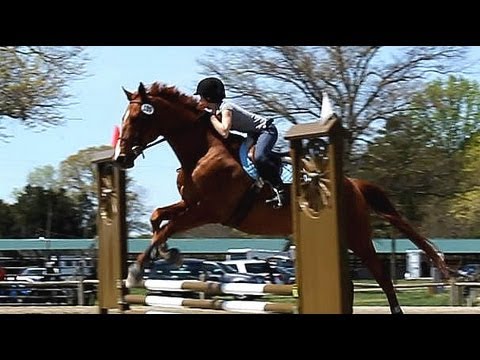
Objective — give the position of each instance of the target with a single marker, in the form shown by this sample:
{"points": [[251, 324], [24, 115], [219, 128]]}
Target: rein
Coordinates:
{"points": [[138, 150], [155, 143]]}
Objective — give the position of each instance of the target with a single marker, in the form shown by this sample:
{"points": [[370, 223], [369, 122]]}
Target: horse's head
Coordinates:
{"points": [[150, 115]]}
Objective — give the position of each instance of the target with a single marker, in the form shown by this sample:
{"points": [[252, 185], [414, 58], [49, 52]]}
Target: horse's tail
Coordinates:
{"points": [[378, 201]]}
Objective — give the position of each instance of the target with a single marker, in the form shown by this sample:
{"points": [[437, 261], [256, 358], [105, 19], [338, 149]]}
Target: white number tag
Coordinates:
{"points": [[147, 109]]}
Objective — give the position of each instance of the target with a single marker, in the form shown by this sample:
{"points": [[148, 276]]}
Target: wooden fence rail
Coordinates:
{"points": [[79, 292]]}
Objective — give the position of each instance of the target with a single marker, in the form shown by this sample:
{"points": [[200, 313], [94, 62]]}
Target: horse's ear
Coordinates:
{"points": [[142, 92], [128, 93]]}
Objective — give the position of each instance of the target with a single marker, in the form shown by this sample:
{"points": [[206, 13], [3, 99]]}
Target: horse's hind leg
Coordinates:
{"points": [[378, 200], [377, 269], [360, 241]]}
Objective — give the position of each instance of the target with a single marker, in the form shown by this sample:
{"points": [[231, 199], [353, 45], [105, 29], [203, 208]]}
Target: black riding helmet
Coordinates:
{"points": [[212, 89]]}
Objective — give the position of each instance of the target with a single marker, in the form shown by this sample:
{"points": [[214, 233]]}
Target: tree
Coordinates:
{"points": [[368, 84], [448, 112], [44, 176], [43, 212], [6, 220], [77, 177], [35, 81], [465, 207], [420, 155]]}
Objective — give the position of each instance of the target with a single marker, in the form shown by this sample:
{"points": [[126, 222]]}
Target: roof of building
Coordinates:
{"points": [[452, 246], [204, 245], [221, 245]]}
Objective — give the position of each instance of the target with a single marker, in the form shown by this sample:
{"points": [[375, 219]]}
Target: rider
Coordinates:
{"points": [[228, 116]]}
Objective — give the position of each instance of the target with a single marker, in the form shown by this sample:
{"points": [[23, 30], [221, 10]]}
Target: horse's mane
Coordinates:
{"points": [[172, 94]]}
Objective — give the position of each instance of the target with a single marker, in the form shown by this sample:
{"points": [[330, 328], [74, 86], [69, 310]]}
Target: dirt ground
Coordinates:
{"points": [[146, 309]]}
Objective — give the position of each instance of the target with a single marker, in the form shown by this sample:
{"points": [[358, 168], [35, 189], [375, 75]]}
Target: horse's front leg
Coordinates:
{"points": [[182, 221]]}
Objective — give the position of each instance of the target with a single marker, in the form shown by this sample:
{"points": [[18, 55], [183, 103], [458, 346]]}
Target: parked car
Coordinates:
{"points": [[284, 266], [259, 267], [287, 274], [195, 269], [280, 261], [470, 272], [32, 274], [198, 269], [53, 294]]}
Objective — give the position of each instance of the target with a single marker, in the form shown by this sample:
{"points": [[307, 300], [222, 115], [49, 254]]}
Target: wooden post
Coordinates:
{"points": [[321, 253], [80, 276], [455, 293], [112, 232], [393, 260]]}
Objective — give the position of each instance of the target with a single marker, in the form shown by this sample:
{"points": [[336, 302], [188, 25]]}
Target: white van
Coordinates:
{"points": [[32, 274], [247, 253], [249, 266], [258, 267]]}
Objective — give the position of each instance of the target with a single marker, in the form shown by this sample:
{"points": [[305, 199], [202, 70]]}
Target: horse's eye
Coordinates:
{"points": [[147, 109]]}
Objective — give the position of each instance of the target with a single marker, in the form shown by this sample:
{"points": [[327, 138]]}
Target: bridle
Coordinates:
{"points": [[138, 149]]}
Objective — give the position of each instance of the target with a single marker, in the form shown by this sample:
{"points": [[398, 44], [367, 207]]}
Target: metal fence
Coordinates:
{"points": [[73, 292]]}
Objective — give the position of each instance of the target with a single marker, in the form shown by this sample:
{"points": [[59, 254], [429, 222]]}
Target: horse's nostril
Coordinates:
{"points": [[124, 161]]}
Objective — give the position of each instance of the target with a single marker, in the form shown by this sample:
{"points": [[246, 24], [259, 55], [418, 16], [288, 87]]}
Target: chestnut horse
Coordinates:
{"points": [[212, 183]]}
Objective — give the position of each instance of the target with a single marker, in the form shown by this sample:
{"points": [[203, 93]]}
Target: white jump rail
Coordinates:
{"points": [[215, 288], [226, 305]]}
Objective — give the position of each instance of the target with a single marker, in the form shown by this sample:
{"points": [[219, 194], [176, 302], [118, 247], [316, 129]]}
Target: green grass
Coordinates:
{"points": [[137, 291], [406, 298], [417, 297]]}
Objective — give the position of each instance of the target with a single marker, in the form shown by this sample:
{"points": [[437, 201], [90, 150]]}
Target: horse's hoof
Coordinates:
{"points": [[173, 256], [134, 278], [154, 253], [397, 310]]}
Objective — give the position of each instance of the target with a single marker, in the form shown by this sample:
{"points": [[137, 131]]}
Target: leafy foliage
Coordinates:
{"points": [[465, 207], [62, 203], [77, 175], [35, 82], [420, 156], [7, 220], [41, 212]]}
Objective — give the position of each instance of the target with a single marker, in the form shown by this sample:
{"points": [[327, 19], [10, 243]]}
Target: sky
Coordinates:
{"points": [[100, 106]]}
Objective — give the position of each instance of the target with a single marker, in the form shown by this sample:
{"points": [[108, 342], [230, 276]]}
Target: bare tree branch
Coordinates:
{"points": [[367, 84]]}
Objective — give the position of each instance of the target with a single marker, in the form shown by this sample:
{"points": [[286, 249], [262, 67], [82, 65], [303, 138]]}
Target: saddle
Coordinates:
{"points": [[246, 152]]}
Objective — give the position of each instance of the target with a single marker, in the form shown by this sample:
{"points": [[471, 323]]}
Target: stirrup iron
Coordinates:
{"points": [[277, 199]]}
